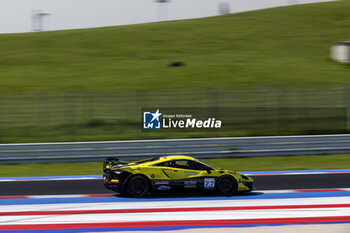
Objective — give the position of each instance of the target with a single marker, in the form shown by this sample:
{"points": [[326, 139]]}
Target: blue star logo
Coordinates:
{"points": [[151, 120]]}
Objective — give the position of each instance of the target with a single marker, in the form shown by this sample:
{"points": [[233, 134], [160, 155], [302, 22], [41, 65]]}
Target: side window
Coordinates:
{"points": [[165, 164], [184, 164], [198, 166]]}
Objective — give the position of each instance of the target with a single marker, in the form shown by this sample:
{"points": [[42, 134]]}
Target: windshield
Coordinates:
{"points": [[145, 160]]}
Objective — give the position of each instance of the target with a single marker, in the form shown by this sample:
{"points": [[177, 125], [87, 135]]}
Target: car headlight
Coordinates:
{"points": [[118, 172]]}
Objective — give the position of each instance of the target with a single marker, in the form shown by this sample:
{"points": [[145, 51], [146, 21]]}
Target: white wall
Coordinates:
{"points": [[16, 15]]}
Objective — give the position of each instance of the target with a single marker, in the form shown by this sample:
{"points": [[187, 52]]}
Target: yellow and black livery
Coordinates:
{"points": [[171, 173]]}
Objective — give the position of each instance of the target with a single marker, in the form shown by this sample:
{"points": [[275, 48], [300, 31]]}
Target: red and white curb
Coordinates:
{"points": [[157, 213]]}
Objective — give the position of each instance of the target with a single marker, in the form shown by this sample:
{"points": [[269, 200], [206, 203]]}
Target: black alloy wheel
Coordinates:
{"points": [[227, 186], [138, 186]]}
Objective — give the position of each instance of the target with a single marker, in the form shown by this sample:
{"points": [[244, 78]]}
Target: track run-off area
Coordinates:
{"points": [[281, 198]]}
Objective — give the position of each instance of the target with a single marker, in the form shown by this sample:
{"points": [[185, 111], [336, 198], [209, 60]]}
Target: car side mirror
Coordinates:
{"points": [[208, 170]]}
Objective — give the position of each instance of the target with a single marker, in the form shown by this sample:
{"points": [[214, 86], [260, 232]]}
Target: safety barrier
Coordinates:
{"points": [[199, 148]]}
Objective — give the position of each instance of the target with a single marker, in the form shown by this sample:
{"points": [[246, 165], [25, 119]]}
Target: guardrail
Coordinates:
{"points": [[199, 147]]}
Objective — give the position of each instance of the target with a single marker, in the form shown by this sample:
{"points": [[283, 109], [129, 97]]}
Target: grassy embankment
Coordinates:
{"points": [[278, 47]]}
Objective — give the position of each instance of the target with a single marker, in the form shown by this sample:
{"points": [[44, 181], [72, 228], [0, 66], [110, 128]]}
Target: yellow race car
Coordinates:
{"points": [[138, 178]]}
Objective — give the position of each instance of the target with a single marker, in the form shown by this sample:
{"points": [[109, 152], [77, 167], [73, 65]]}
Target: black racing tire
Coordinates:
{"points": [[138, 186], [227, 186]]}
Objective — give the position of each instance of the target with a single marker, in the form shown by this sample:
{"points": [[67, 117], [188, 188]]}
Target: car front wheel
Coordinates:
{"points": [[227, 186]]}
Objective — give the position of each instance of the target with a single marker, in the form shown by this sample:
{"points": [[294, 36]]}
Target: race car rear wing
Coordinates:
{"points": [[110, 162]]}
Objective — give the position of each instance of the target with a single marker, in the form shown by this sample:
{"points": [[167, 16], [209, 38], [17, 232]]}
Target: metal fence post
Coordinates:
{"points": [[346, 97], [40, 108], [69, 114], [282, 111], [213, 104], [1, 117]]}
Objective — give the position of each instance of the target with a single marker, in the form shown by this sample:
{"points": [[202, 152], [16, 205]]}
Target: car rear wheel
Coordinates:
{"points": [[138, 186], [226, 186]]}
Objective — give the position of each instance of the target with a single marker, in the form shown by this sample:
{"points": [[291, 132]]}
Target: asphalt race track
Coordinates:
{"points": [[76, 204], [95, 186]]}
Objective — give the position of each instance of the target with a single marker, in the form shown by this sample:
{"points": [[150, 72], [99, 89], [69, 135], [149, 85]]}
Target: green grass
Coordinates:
{"points": [[301, 162], [280, 163], [279, 47], [269, 53]]}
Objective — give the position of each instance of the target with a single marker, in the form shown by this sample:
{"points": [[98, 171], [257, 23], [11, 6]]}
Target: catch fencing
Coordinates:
{"points": [[93, 116]]}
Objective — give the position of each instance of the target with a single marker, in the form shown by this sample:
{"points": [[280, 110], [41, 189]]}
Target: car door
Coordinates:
{"points": [[170, 170], [185, 176], [207, 176], [177, 169], [182, 170]]}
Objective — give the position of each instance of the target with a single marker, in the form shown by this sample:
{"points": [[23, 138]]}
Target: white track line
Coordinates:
{"points": [[175, 204], [174, 216]]}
